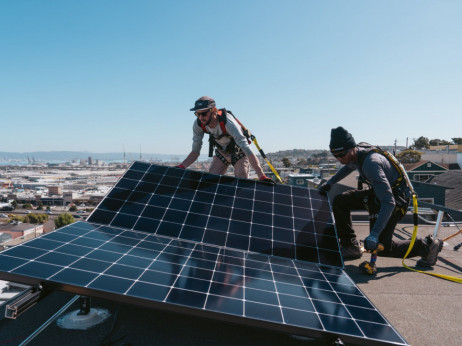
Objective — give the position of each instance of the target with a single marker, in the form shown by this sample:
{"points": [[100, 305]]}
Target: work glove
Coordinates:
{"points": [[267, 180], [371, 242], [181, 166], [324, 188]]}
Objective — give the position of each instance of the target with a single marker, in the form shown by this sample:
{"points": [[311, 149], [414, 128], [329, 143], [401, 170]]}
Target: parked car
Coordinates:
{"points": [[48, 212], [80, 211], [27, 211], [3, 216]]}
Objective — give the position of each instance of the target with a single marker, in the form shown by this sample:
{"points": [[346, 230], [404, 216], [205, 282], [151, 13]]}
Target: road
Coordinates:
{"points": [[54, 213]]}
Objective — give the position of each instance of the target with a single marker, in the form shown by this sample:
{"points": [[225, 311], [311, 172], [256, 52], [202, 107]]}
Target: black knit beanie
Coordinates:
{"points": [[340, 140]]}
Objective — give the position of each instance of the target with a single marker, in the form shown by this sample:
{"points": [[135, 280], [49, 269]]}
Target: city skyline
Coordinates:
{"points": [[112, 76]]}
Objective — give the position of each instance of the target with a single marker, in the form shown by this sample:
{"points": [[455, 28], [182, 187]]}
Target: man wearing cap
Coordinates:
{"points": [[230, 147], [382, 177]]}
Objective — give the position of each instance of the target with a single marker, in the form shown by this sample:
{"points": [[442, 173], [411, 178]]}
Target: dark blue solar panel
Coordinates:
{"points": [[278, 220], [154, 269], [209, 245]]}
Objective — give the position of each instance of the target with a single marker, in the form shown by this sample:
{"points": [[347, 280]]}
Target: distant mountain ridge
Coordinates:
{"points": [[309, 152], [68, 156]]}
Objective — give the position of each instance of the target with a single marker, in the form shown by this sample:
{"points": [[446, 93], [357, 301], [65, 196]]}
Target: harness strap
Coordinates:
{"points": [[221, 157], [235, 156], [222, 121], [369, 148], [399, 188]]}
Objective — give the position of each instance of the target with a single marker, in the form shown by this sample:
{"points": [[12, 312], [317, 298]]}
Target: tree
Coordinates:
{"points": [[63, 220], [439, 142], [72, 208], [36, 218], [409, 156], [14, 204], [27, 206], [40, 206], [286, 162], [457, 140], [17, 218], [302, 162], [421, 143]]}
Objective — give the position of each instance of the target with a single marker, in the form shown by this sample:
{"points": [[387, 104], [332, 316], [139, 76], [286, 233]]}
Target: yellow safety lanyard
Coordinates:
{"points": [[247, 134], [254, 140], [404, 176]]}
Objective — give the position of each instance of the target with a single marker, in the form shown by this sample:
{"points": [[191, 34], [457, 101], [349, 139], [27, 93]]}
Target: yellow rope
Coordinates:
{"points": [[267, 161], [414, 235]]}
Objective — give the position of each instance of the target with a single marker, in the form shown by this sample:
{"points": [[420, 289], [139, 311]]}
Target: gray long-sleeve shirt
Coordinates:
{"points": [[232, 128], [382, 175]]}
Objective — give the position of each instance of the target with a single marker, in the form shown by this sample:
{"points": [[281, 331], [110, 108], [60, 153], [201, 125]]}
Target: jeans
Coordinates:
{"points": [[350, 200]]}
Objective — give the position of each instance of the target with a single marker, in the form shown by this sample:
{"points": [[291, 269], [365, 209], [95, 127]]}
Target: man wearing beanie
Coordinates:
{"points": [[386, 199]]}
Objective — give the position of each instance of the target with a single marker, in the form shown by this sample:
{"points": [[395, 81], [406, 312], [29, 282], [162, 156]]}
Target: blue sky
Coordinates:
{"points": [[103, 75]]}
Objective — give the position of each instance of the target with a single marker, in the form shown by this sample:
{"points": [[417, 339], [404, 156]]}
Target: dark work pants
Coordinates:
{"points": [[350, 200]]}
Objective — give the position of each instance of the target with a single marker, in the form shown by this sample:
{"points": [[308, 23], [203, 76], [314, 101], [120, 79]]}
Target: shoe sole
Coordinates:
{"points": [[422, 263]]}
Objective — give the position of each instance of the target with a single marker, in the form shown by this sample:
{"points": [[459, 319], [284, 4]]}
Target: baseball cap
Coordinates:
{"points": [[204, 102]]}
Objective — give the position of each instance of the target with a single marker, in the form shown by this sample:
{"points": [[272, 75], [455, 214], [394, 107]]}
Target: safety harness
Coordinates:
{"points": [[232, 148], [403, 191], [402, 188]]}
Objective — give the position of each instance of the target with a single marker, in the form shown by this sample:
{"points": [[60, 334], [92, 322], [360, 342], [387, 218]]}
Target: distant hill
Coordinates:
{"points": [[309, 152], [296, 153], [68, 156]]}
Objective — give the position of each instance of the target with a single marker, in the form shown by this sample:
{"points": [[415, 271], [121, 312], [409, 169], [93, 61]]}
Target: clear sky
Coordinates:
{"points": [[103, 75]]}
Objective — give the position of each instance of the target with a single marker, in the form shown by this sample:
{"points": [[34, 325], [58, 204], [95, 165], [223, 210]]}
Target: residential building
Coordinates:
{"points": [[24, 230], [444, 154], [424, 170], [452, 180]]}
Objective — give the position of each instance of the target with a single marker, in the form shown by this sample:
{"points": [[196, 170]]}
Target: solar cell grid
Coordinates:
{"points": [[207, 244], [229, 281], [237, 213]]}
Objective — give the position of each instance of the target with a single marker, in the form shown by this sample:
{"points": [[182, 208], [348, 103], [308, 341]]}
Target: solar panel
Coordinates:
{"points": [[280, 220], [149, 244]]}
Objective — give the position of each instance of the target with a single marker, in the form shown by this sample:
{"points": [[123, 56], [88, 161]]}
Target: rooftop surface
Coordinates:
{"points": [[424, 309]]}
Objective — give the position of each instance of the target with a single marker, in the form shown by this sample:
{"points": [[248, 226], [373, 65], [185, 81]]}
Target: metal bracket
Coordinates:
{"points": [[85, 305], [438, 223], [23, 302]]}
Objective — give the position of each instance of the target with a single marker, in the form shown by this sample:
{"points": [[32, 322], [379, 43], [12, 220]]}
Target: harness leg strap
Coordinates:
{"points": [[221, 157]]}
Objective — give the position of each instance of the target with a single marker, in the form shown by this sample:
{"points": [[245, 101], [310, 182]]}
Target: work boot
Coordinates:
{"points": [[435, 245], [351, 251]]}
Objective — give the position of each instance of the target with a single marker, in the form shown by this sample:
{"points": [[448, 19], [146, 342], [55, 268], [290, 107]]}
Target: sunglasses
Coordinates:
{"points": [[202, 114], [342, 154]]}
